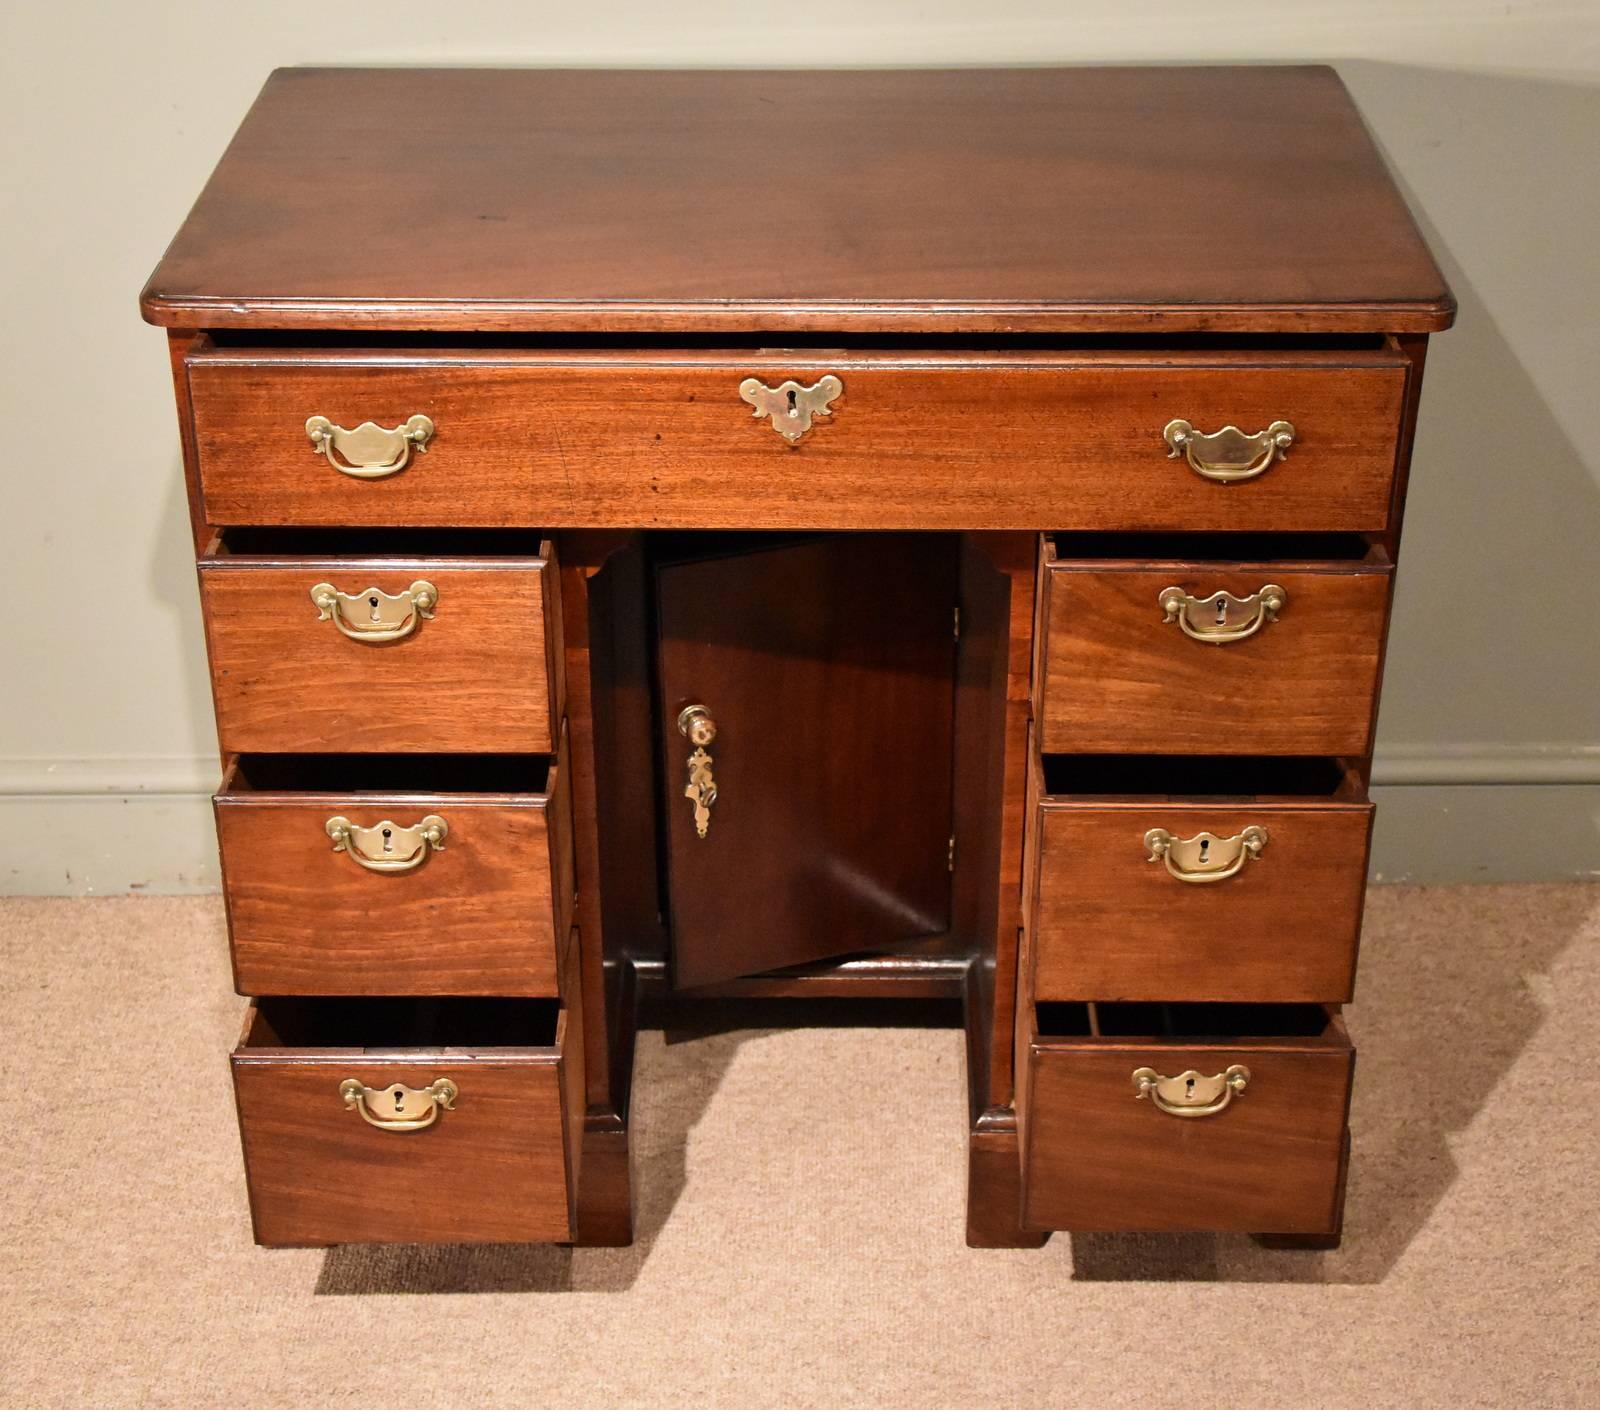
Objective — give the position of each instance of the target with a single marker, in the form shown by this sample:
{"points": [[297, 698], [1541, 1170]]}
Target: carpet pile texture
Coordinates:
{"points": [[799, 1245]]}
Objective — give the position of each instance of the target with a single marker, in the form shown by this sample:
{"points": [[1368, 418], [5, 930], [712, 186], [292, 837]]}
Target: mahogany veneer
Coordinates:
{"points": [[930, 756]]}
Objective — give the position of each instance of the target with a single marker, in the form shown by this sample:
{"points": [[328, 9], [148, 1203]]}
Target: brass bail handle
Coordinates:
{"points": [[398, 1107], [1190, 1094], [696, 725], [369, 452], [1205, 857], [1228, 455], [1222, 617], [374, 616], [388, 848]]}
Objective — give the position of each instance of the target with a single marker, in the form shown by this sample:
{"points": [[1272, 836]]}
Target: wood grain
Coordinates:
{"points": [[606, 1081], [475, 677], [923, 441], [993, 709], [1118, 678], [483, 915], [829, 668], [1057, 200], [493, 1170], [1097, 1159], [1109, 924]]}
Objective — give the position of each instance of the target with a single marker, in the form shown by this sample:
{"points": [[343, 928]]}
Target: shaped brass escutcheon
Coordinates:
{"points": [[790, 405]]}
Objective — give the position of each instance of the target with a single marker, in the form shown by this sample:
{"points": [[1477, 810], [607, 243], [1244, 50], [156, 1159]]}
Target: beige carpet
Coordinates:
{"points": [[801, 1246]]}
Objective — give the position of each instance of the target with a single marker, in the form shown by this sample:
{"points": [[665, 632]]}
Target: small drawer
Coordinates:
{"points": [[396, 874], [394, 1121], [1201, 879], [1278, 439], [1188, 1117], [408, 643], [1202, 644]]}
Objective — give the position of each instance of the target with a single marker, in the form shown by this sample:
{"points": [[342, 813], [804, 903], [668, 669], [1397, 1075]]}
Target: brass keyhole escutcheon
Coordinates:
{"points": [[696, 725], [791, 407], [412, 1109]]}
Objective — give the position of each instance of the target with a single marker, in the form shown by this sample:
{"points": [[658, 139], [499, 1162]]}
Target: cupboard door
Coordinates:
{"points": [[825, 671]]}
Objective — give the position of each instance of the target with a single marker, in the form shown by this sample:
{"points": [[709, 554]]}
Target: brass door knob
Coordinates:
{"points": [[696, 725]]}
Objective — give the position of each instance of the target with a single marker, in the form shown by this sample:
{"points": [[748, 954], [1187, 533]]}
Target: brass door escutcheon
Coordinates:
{"points": [[373, 616], [1189, 1093], [386, 847], [696, 725], [369, 452], [1229, 454], [1222, 617], [790, 405], [399, 1108], [1205, 857]]}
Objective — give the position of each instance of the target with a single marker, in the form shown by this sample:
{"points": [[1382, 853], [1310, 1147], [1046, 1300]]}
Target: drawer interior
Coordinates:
{"points": [[423, 1026], [290, 544], [383, 340], [1186, 1023], [488, 774], [1151, 549], [1247, 778]]}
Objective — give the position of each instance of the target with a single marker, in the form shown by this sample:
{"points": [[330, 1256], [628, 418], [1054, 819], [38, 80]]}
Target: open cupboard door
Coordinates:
{"points": [[806, 729]]}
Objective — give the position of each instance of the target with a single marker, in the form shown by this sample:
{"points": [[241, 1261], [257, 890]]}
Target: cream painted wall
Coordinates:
{"points": [[113, 115]]}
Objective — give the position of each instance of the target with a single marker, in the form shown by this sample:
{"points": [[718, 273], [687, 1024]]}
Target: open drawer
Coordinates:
{"points": [[433, 642], [396, 875], [396, 1121], [1264, 439], [1185, 1117], [1209, 643], [1195, 878]]}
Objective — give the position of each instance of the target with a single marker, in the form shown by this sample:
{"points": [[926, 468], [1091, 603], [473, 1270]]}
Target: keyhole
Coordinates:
{"points": [[1222, 611], [1188, 1089], [1205, 848], [792, 403], [400, 1099], [372, 602], [388, 840]]}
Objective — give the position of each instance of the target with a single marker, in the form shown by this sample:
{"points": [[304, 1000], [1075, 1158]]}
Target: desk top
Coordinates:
{"points": [[1059, 201]]}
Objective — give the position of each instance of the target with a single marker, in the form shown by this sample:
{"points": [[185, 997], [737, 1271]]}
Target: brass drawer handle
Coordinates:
{"points": [[1222, 617], [387, 848], [399, 1108], [1228, 455], [696, 725], [790, 405], [1190, 1094], [369, 452], [373, 616], [1205, 857]]}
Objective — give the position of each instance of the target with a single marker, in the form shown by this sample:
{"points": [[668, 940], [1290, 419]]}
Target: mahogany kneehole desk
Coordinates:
{"points": [[669, 536]]}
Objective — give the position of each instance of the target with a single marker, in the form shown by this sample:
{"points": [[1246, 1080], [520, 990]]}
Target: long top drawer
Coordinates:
{"points": [[691, 439]]}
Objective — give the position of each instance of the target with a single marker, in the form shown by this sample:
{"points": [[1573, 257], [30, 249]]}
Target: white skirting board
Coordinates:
{"points": [[103, 827]]}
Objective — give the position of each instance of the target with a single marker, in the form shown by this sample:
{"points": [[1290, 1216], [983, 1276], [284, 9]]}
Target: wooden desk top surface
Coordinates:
{"points": [[1039, 200]]}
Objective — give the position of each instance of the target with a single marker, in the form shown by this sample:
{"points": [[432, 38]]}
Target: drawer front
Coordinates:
{"points": [[1108, 923], [1119, 673], [665, 440], [481, 914], [1096, 1157], [465, 668], [499, 1165]]}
